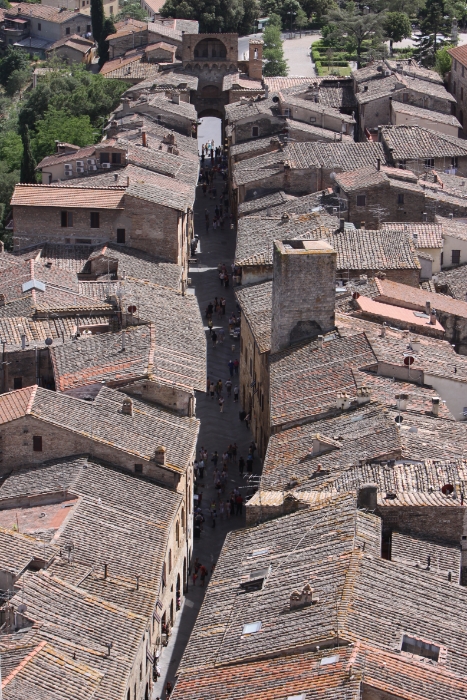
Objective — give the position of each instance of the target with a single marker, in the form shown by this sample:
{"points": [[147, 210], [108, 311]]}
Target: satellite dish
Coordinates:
{"points": [[132, 309], [447, 489], [275, 99], [409, 360], [399, 419], [48, 341]]}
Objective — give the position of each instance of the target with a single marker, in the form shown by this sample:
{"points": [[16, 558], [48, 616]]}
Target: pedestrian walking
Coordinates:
{"points": [[238, 503], [214, 339], [253, 447], [236, 363], [212, 388], [227, 510], [232, 503], [220, 335], [168, 689], [228, 386], [213, 513], [221, 403], [221, 510], [235, 393], [223, 305], [203, 572], [234, 453], [215, 459], [219, 386], [210, 326], [231, 368], [241, 465], [247, 420], [194, 576], [201, 469]]}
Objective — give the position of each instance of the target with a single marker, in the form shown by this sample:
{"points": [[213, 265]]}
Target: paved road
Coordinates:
{"points": [[296, 51], [217, 430]]}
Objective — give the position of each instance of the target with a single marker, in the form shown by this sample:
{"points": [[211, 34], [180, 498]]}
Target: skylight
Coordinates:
{"points": [[252, 627], [259, 552], [329, 660], [297, 697], [419, 647], [33, 284]]}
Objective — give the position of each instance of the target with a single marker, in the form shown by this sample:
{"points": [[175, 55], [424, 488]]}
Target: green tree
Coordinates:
{"points": [[17, 80], [11, 149], [275, 21], [27, 173], [396, 26], [350, 23], [250, 16], [434, 25], [103, 45], [74, 90], [289, 11], [273, 52], [5, 5], [97, 18], [58, 124], [301, 20], [317, 8], [13, 60], [212, 15], [443, 61], [133, 10]]}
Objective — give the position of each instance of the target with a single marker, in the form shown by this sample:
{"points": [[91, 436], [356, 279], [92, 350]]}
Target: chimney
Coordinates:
{"points": [[160, 455], [402, 401], [301, 599], [144, 139], [127, 407], [378, 164], [433, 317], [415, 239], [115, 177], [320, 341], [415, 345], [427, 308], [362, 225], [127, 180], [435, 405], [304, 270], [424, 216], [125, 106], [367, 497], [383, 330], [176, 98]]}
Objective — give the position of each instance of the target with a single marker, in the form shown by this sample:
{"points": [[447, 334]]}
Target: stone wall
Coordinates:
{"points": [[254, 366], [441, 524]]}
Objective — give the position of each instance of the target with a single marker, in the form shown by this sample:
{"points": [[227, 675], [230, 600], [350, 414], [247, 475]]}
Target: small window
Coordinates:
{"points": [[361, 200], [402, 165], [400, 199], [105, 157], [312, 120], [429, 162], [111, 10], [67, 30], [286, 112], [405, 97], [252, 628], [39, 26], [456, 257], [18, 383], [116, 158], [88, 26], [120, 235], [255, 131], [37, 443], [66, 219], [442, 258], [94, 219], [412, 645], [138, 468], [78, 29]]}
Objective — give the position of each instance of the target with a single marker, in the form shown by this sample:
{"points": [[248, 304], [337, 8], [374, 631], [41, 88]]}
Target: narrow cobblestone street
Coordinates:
{"points": [[218, 430]]}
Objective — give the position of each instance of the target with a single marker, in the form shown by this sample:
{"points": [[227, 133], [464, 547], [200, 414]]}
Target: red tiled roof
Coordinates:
{"points": [[397, 314], [459, 53], [15, 404], [412, 297], [50, 196]]}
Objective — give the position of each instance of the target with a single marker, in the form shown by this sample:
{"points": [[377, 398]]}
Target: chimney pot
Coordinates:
{"points": [[127, 407], [367, 497], [433, 317], [341, 224], [428, 307], [435, 401], [378, 164], [451, 215], [320, 341], [424, 216], [160, 455], [144, 139]]}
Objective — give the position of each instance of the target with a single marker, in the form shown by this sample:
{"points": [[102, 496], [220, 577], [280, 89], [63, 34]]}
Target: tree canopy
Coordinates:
{"points": [[349, 24], [27, 173], [397, 26], [215, 15], [97, 18], [61, 125], [273, 53], [133, 10]]}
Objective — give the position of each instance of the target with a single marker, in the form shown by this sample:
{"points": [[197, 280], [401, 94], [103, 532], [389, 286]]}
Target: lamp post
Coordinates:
{"points": [[292, 14]]}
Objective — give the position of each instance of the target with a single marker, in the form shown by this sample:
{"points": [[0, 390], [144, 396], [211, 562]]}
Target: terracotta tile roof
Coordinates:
{"points": [[100, 358], [453, 282], [253, 107], [263, 203], [240, 81], [166, 79], [426, 114], [122, 61], [459, 53], [415, 142], [48, 13], [103, 421], [315, 107], [376, 89], [411, 68], [165, 30], [396, 315], [255, 235], [75, 41], [455, 228], [183, 109], [413, 298], [134, 71], [256, 306], [424, 235], [316, 132], [275, 84], [57, 158], [362, 249], [358, 179], [254, 147], [366, 433], [305, 380], [130, 262], [417, 551], [63, 196]]}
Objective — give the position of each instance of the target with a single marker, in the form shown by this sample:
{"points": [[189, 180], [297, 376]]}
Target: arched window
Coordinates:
{"points": [[182, 519], [210, 48]]}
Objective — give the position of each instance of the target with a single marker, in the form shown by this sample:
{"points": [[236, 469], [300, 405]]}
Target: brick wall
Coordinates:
{"points": [[191, 41], [445, 524], [267, 126]]}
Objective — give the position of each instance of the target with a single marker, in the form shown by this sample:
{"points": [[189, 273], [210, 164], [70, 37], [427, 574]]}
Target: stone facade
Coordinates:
{"points": [[254, 368], [303, 291], [458, 83]]}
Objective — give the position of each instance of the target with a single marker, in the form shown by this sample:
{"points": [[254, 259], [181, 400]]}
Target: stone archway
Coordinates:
{"points": [[210, 112]]}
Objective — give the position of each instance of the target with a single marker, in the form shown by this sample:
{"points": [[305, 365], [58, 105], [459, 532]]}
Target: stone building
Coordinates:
{"points": [[37, 28], [319, 578], [458, 81], [93, 563]]}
